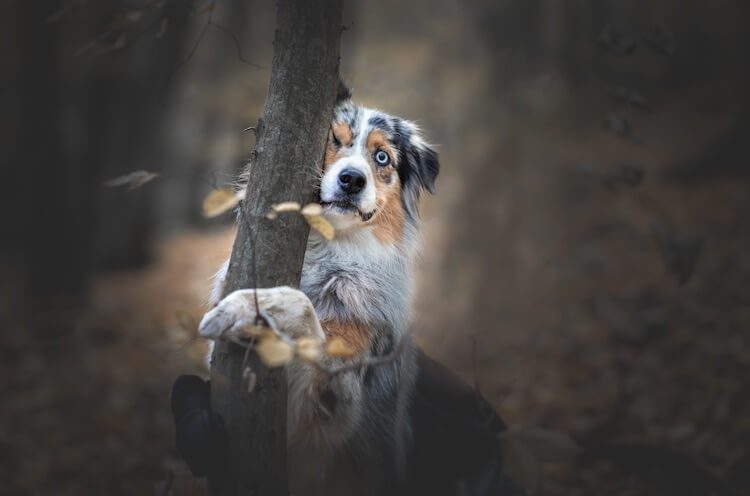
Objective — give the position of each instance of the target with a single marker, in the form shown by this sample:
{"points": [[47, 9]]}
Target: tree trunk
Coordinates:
{"points": [[290, 147]]}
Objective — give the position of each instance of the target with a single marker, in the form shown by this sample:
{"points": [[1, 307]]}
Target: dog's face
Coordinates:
{"points": [[375, 168]]}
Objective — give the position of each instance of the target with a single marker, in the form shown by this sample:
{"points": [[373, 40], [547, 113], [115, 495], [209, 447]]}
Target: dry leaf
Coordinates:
{"points": [[186, 321], [274, 352], [320, 224], [282, 207], [312, 209], [308, 349], [254, 331], [219, 201], [337, 347], [133, 180], [519, 463]]}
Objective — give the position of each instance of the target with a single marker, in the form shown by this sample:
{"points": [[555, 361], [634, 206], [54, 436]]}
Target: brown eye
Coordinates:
{"points": [[382, 158]]}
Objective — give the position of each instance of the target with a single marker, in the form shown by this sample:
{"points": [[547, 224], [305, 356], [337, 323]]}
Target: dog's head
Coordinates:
{"points": [[375, 168]]}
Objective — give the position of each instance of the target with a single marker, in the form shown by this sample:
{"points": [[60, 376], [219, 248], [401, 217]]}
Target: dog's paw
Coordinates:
{"points": [[290, 309]]}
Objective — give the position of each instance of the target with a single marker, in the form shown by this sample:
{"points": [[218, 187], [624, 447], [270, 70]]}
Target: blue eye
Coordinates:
{"points": [[382, 158]]}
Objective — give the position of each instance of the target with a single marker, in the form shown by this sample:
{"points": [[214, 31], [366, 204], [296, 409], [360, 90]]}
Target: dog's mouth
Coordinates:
{"points": [[347, 206]]}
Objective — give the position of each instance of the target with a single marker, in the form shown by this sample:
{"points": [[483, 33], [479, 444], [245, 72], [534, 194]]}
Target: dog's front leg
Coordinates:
{"points": [[290, 308]]}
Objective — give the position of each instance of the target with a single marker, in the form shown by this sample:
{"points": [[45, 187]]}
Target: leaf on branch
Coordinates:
{"points": [[283, 207], [255, 331], [274, 352], [337, 347], [320, 224], [219, 201], [309, 349], [133, 180], [312, 209]]}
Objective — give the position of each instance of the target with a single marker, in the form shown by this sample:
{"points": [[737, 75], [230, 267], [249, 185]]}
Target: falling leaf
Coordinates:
{"points": [[320, 224], [219, 201], [312, 209], [337, 347], [133, 180], [308, 349], [274, 352], [186, 321]]}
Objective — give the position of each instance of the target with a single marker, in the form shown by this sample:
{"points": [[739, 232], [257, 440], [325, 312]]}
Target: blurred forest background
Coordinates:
{"points": [[587, 256]]}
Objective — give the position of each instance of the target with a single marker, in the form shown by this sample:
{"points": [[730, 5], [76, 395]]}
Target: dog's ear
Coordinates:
{"points": [[419, 165], [426, 164], [343, 93]]}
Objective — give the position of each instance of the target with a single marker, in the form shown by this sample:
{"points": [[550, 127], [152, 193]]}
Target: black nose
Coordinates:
{"points": [[352, 181]]}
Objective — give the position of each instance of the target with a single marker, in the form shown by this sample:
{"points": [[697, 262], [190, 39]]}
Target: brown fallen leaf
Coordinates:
{"points": [[219, 201], [133, 180]]}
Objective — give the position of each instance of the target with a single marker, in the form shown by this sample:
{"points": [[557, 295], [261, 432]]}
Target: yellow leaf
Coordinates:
{"points": [[253, 331], [312, 209], [274, 352], [219, 201], [308, 349], [289, 206], [337, 347], [133, 180], [320, 224]]}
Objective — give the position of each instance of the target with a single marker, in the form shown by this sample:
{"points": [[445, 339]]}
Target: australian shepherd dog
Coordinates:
{"points": [[405, 426]]}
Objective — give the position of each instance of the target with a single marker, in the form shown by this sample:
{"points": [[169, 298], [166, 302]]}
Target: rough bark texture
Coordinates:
{"points": [[290, 147]]}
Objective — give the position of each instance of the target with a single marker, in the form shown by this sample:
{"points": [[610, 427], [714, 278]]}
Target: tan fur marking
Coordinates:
{"points": [[355, 334], [343, 133], [377, 139], [389, 221]]}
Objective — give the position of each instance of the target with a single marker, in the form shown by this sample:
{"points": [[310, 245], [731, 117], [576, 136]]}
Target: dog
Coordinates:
{"points": [[404, 426]]}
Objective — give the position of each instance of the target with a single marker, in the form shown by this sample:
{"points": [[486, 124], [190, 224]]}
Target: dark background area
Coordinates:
{"points": [[586, 259]]}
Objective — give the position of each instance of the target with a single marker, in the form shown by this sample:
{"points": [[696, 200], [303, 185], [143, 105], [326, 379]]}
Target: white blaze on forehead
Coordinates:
{"points": [[353, 157]]}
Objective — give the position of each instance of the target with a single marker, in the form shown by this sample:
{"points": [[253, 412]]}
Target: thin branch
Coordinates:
{"points": [[237, 45]]}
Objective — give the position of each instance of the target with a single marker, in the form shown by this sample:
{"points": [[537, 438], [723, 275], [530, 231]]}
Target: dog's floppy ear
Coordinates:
{"points": [[343, 93], [426, 164], [419, 165]]}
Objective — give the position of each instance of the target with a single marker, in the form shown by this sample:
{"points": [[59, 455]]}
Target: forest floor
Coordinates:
{"points": [[595, 338]]}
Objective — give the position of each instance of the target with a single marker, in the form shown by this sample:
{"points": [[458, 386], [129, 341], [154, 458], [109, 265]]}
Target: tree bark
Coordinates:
{"points": [[290, 146]]}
